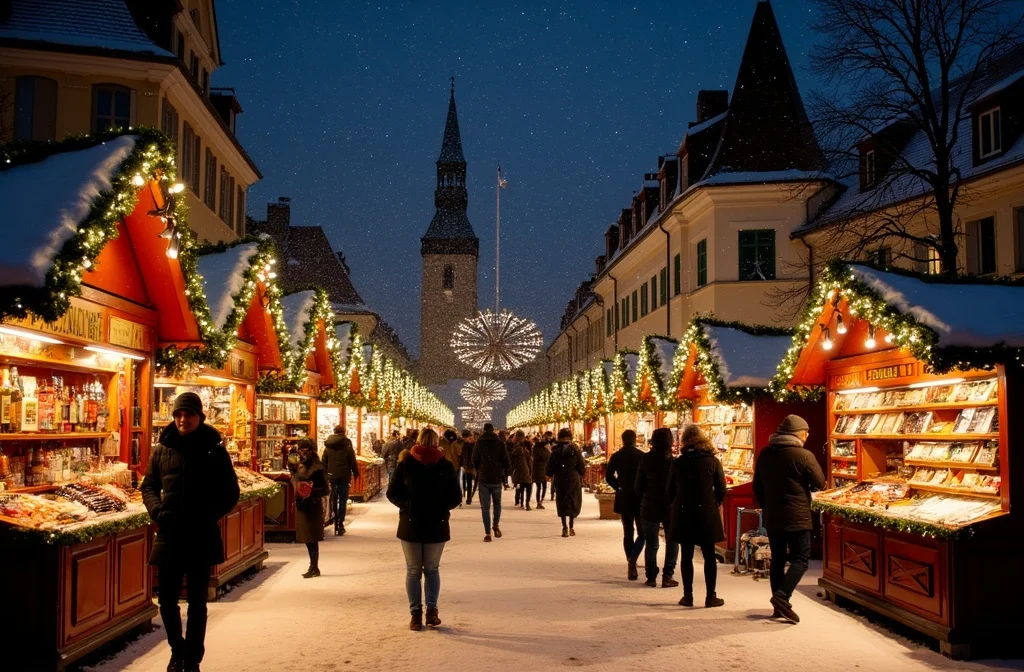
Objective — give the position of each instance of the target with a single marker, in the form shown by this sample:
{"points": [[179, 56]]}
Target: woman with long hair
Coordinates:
{"points": [[425, 489], [696, 487], [310, 481]]}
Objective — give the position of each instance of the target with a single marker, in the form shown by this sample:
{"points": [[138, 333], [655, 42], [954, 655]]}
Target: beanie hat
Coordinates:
{"points": [[793, 424], [189, 401]]}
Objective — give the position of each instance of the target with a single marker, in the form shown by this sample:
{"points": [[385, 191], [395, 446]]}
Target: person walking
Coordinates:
{"points": [[451, 446], [491, 461], [310, 481], [652, 488], [541, 455], [620, 473], [696, 488], [189, 486], [425, 490], [522, 470], [566, 468], [466, 462], [390, 452], [341, 466], [784, 476]]}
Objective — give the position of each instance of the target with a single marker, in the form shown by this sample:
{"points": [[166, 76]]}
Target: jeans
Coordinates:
{"points": [[710, 568], [651, 552], [192, 647], [489, 492], [391, 472], [794, 547], [339, 502], [629, 544], [524, 491], [542, 489], [468, 486], [422, 560]]}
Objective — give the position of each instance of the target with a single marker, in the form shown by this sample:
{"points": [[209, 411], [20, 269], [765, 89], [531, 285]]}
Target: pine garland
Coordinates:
{"points": [[83, 533], [897, 524]]}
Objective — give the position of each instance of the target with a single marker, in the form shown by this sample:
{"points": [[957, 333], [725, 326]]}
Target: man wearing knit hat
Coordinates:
{"points": [[784, 477], [189, 486]]}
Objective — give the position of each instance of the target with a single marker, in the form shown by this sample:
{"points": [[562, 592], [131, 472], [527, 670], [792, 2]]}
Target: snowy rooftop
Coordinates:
{"points": [[665, 351], [223, 278], [296, 308], [343, 332], [952, 310], [632, 361], [746, 360], [44, 203], [103, 24]]}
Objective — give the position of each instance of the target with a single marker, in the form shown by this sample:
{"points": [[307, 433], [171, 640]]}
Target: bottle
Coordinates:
{"points": [[5, 400], [45, 398], [17, 392], [73, 417], [102, 412]]}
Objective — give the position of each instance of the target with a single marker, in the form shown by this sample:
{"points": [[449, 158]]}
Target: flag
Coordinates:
{"points": [[502, 182]]}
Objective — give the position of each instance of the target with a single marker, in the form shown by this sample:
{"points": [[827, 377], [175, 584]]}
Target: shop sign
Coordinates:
{"points": [[891, 372], [77, 322], [127, 334]]}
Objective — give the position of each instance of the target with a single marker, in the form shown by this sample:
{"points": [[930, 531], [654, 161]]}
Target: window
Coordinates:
{"points": [[35, 108], [169, 122], [240, 211], [190, 147], [654, 293], [449, 277], [193, 65], [625, 311], [1018, 233], [981, 246], [757, 254], [702, 262], [867, 169], [926, 258], [881, 258], [990, 138], [677, 287], [608, 322], [616, 317], [634, 306], [111, 107], [205, 82], [210, 190], [227, 197], [664, 286], [643, 300], [181, 47]]}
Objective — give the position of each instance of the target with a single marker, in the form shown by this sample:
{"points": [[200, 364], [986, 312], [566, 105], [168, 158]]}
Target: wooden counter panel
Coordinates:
{"points": [[833, 551], [87, 589], [231, 531], [131, 570], [248, 527], [913, 576], [860, 554]]}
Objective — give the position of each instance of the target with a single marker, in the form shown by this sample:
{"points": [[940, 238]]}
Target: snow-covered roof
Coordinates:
{"points": [[296, 309], [764, 177], [1001, 85], [103, 24], [223, 278], [744, 359], [632, 361], [968, 315], [44, 203], [665, 350], [343, 332], [706, 124]]}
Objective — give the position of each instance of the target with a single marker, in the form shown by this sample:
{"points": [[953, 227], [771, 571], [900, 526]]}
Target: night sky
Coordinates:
{"points": [[344, 108]]}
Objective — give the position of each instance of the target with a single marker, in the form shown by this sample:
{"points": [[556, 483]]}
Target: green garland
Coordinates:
{"points": [[153, 156], [905, 525], [271, 382], [259, 493], [85, 533]]}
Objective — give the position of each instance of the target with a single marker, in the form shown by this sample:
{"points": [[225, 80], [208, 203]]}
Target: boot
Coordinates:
{"points": [[631, 573], [176, 664], [487, 537], [311, 573], [416, 623], [785, 609], [539, 505], [653, 583], [572, 531], [497, 532], [432, 618], [667, 582], [712, 600], [686, 601], [565, 531], [527, 506]]}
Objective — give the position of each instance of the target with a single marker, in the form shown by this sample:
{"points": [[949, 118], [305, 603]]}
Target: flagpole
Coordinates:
{"points": [[497, 239]]}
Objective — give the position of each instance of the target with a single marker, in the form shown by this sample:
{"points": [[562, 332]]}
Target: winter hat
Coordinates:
{"points": [[189, 401], [793, 424]]}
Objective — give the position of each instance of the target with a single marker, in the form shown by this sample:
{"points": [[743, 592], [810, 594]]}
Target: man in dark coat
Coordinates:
{"points": [[696, 488], [541, 455], [466, 463], [189, 486], [491, 461], [784, 477], [566, 467], [522, 470], [652, 488], [390, 452], [620, 473], [341, 466]]}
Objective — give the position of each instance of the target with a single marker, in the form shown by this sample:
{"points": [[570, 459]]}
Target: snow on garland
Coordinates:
{"points": [[906, 525]]}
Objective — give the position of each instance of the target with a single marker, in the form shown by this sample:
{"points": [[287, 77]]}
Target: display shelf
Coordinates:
{"points": [[919, 408], [939, 464], [918, 437], [844, 458], [945, 490], [741, 446], [32, 490], [52, 436]]}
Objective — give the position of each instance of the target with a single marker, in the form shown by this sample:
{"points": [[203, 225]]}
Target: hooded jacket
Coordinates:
{"points": [[425, 489], [189, 486], [785, 475], [696, 489], [340, 459], [541, 455], [566, 467], [620, 473], [490, 459], [652, 485], [522, 463]]}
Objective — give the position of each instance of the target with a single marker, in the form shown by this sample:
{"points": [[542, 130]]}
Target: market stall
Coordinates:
{"points": [[77, 344], [923, 380], [725, 370]]}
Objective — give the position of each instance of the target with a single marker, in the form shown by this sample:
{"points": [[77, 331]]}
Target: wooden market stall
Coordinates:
{"points": [[77, 345], [726, 371], [923, 380]]}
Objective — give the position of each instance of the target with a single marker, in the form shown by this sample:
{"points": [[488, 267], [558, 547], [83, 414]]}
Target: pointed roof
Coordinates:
{"points": [[766, 127], [451, 146]]}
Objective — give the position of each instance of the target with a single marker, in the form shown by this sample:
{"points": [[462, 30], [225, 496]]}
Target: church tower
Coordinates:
{"points": [[449, 249]]}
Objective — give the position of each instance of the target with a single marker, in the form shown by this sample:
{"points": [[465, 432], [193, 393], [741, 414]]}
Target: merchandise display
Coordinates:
{"points": [[225, 404], [731, 429]]}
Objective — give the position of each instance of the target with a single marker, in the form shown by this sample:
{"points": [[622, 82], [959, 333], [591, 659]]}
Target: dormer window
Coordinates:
{"points": [[990, 140], [868, 174]]}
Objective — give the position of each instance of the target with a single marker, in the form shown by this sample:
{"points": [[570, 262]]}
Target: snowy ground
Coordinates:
{"points": [[524, 602]]}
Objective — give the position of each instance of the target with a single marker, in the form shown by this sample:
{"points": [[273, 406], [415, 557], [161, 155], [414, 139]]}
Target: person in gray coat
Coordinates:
{"points": [[566, 468], [341, 466]]}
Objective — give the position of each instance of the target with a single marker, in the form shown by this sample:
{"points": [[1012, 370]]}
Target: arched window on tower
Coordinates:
{"points": [[449, 277]]}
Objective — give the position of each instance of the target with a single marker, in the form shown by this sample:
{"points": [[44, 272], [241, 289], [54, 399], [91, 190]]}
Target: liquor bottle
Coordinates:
{"points": [[16, 395], [45, 398], [73, 416], [102, 412], [5, 400]]}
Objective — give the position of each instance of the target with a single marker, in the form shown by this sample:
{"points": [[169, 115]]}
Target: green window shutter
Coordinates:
{"points": [[643, 300], [608, 323], [654, 293], [664, 286], [702, 262], [757, 254], [678, 286], [634, 306]]}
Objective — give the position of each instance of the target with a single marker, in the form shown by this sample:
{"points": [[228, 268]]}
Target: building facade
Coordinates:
{"points": [[82, 67]]}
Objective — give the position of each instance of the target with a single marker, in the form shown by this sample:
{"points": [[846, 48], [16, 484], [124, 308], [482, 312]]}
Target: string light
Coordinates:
{"points": [[483, 390], [826, 344], [840, 325], [496, 342], [870, 342]]}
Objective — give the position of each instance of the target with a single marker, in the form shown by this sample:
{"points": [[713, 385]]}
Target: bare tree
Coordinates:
{"points": [[895, 70]]}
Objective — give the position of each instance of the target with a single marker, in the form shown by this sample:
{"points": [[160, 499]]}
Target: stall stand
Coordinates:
{"points": [[923, 380], [77, 345], [728, 368]]}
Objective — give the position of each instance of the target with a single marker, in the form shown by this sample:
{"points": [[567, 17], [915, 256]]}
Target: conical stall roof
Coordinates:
{"points": [[307, 315]]}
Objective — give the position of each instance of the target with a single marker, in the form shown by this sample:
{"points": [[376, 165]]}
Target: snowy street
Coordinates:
{"points": [[526, 602]]}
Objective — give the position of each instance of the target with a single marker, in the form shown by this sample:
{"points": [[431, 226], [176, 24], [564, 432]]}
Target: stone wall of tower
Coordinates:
{"points": [[441, 310]]}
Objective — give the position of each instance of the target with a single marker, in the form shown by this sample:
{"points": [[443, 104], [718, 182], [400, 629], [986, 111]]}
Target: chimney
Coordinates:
{"points": [[599, 264], [611, 240], [227, 105], [711, 104], [625, 226], [280, 214], [668, 179]]}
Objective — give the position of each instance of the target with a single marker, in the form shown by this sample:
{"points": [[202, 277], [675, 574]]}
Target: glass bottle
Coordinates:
{"points": [[73, 416], [5, 399], [17, 392], [101, 406]]}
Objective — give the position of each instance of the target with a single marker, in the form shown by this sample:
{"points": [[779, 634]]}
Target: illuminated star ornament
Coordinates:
{"points": [[475, 415], [483, 390], [496, 342]]}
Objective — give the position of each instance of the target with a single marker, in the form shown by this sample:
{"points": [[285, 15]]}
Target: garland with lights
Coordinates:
{"points": [[649, 391], [153, 156], [837, 283], [906, 525]]}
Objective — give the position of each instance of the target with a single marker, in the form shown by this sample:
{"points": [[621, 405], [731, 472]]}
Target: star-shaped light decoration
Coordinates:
{"points": [[500, 341], [483, 390]]}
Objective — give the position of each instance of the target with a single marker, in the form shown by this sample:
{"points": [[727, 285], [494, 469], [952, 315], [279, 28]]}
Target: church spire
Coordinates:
{"points": [[451, 146]]}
